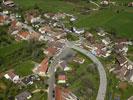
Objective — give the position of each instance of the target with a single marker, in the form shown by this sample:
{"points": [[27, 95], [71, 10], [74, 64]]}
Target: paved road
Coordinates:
{"points": [[103, 79], [51, 72]]}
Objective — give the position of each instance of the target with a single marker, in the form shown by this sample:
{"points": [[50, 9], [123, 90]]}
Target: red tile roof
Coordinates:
{"points": [[11, 74], [100, 46], [24, 34], [43, 66], [100, 52], [58, 92], [13, 23], [62, 77], [51, 50], [61, 93], [2, 19]]}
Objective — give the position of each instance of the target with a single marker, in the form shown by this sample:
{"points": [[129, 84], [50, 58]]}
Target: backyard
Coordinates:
{"points": [[115, 90]]}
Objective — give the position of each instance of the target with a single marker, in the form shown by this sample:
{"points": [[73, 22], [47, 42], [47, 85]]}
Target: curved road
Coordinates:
{"points": [[103, 79]]}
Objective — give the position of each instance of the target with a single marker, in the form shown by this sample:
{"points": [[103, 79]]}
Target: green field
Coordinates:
{"points": [[16, 54], [46, 5], [120, 23], [113, 89], [84, 79], [24, 68], [11, 48]]}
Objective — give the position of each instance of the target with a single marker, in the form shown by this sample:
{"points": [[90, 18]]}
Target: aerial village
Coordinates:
{"points": [[50, 28]]}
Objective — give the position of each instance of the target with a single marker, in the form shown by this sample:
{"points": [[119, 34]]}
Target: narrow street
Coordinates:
{"points": [[51, 72]]}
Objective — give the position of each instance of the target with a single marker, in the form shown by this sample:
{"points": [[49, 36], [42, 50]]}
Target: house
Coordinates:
{"points": [[49, 15], [46, 38], [64, 66], [100, 53], [101, 32], [106, 41], [64, 94], [58, 35], [59, 16], [35, 19], [129, 75], [78, 31], [50, 51], [32, 16], [8, 3], [79, 60], [90, 38], [29, 80], [62, 78], [121, 48], [104, 2], [24, 35], [130, 4], [129, 66], [100, 50], [58, 25], [44, 30], [42, 68], [23, 96], [121, 41], [54, 33], [131, 98], [12, 76], [5, 12], [15, 25], [121, 59], [88, 34], [55, 44], [73, 19], [17, 38], [3, 19], [34, 35], [121, 73]]}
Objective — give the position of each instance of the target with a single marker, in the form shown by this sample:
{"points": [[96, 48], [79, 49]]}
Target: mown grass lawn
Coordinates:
{"points": [[39, 96], [24, 68]]}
